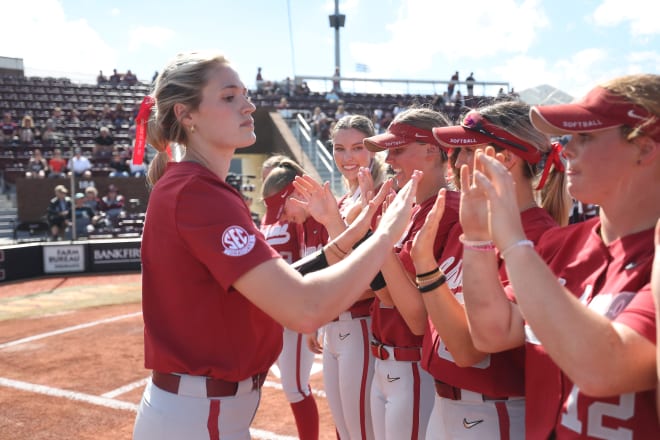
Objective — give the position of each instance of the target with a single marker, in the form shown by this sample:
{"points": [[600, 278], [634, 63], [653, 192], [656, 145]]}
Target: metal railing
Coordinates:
{"points": [[317, 153]]}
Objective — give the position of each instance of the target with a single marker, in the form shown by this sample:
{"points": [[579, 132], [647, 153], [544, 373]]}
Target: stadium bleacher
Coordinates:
{"points": [[39, 96]]}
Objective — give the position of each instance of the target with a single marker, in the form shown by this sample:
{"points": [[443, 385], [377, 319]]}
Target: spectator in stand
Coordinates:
{"points": [[74, 117], [80, 165], [469, 82], [283, 107], [59, 213], [119, 116], [118, 165], [153, 78], [458, 100], [92, 199], [302, 89], [85, 217], [130, 79], [319, 123], [57, 164], [89, 115], [138, 170], [336, 83], [452, 84], [115, 78], [513, 94], [259, 80], [9, 128], [105, 118], [112, 205], [340, 112], [103, 144], [501, 94], [101, 79], [57, 116], [27, 130], [50, 135], [37, 166]]}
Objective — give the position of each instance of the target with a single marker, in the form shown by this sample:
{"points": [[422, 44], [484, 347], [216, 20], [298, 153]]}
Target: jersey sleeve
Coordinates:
{"points": [[639, 315], [216, 226]]}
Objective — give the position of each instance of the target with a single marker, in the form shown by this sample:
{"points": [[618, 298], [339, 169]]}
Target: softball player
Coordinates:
{"points": [[589, 324], [214, 294], [292, 239], [347, 364], [402, 392]]}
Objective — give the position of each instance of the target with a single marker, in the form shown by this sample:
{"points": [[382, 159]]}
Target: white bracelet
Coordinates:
{"points": [[518, 243]]}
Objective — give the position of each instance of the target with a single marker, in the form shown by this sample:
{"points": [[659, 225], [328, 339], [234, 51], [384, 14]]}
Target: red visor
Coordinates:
{"points": [[275, 204], [399, 134], [598, 110], [476, 130]]}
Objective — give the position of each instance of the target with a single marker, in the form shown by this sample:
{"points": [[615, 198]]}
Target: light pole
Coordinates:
{"points": [[337, 21]]}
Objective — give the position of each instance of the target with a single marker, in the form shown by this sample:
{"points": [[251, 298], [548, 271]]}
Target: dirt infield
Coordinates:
{"points": [[71, 363]]}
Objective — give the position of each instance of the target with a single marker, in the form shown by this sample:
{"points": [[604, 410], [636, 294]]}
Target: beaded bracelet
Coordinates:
{"points": [[428, 279], [518, 243], [434, 285], [477, 245]]}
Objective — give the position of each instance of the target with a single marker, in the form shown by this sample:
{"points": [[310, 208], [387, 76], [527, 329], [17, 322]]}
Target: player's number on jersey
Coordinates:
{"points": [[597, 410]]}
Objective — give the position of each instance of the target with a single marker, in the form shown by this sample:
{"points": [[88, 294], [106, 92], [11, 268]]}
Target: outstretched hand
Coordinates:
{"points": [[422, 247], [366, 184], [395, 218], [317, 199], [497, 184], [473, 212]]}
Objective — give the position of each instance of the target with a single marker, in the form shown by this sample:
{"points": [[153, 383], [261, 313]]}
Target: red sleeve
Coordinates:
{"points": [[639, 315], [220, 234]]}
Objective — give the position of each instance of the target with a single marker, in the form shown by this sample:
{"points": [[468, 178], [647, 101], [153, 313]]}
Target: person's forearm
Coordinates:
{"points": [[450, 321], [403, 294], [599, 357], [489, 311]]}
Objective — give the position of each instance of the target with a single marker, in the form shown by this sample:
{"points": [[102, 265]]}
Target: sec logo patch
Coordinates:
{"points": [[237, 241]]}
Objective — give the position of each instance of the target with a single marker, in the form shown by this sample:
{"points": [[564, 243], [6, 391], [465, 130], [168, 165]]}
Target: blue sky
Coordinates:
{"points": [[569, 44]]}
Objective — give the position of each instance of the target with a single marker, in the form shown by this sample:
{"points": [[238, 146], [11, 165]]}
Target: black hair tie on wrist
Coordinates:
{"points": [[434, 285]]}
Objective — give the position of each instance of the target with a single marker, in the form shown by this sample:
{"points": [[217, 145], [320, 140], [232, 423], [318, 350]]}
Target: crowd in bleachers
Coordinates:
{"points": [[52, 127]]}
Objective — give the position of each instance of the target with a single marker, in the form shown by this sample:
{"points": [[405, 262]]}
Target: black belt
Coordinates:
{"points": [[214, 387]]}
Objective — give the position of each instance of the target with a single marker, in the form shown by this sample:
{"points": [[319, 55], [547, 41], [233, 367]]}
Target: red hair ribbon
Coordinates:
{"points": [[554, 158], [141, 121]]}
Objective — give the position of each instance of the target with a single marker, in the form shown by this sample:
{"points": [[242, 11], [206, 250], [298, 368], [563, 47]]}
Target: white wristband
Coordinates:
{"points": [[518, 243]]}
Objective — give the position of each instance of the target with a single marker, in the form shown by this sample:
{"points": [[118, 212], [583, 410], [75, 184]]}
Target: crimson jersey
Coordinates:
{"points": [[499, 374], [388, 326], [614, 281], [284, 238], [361, 307], [198, 239]]}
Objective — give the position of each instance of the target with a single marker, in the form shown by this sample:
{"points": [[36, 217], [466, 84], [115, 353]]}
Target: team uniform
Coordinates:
{"points": [[295, 362], [348, 367], [208, 346], [614, 281], [485, 400], [402, 392]]}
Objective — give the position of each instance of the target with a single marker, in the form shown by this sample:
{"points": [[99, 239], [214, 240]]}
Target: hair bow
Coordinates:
{"points": [[553, 159]]}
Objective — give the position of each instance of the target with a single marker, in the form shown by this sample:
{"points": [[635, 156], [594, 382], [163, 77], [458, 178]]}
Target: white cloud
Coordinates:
{"points": [[641, 14], [154, 36], [52, 44], [425, 29]]}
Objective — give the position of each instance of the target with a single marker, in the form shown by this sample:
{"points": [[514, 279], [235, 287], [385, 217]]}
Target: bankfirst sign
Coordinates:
{"points": [[114, 256]]}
